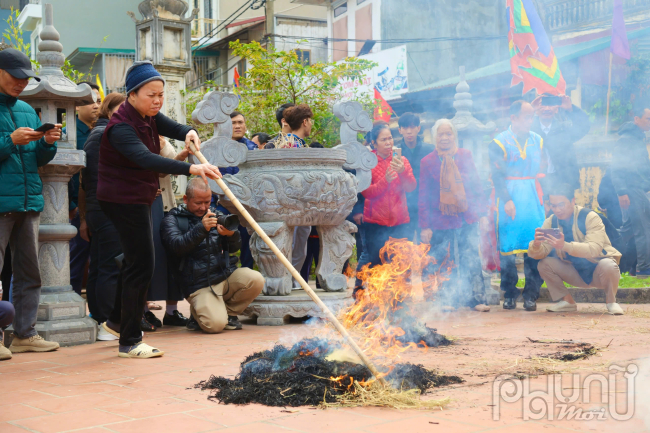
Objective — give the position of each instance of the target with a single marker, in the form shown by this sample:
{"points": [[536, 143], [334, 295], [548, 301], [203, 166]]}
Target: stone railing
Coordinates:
{"points": [[565, 14]]}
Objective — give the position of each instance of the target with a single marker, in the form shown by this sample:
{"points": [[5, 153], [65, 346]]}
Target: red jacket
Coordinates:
{"points": [[386, 202], [429, 203]]}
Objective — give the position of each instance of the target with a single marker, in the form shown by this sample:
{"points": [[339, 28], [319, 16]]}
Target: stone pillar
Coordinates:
{"points": [[163, 35], [61, 312]]}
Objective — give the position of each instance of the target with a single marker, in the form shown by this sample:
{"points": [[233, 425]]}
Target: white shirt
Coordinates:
{"points": [[546, 129]]}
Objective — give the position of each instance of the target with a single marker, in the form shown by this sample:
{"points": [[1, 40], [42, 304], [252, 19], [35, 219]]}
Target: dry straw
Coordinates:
{"points": [[378, 395]]}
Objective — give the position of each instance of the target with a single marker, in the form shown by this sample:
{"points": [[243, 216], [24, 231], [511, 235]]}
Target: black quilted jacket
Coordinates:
{"points": [[196, 259]]}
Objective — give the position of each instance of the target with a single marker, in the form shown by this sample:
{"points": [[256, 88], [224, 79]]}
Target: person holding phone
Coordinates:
{"points": [[574, 247], [560, 124], [385, 211], [23, 149]]}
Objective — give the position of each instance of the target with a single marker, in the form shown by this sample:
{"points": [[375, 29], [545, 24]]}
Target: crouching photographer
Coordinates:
{"points": [[200, 248]]}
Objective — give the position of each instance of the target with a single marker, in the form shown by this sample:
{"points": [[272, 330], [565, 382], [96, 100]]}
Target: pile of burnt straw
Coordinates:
{"points": [[312, 372]]}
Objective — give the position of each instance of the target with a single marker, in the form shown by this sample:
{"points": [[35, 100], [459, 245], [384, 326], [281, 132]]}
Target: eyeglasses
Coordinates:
{"points": [[559, 206]]}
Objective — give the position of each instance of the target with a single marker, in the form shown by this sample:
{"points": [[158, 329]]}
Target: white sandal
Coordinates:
{"points": [[140, 350]]}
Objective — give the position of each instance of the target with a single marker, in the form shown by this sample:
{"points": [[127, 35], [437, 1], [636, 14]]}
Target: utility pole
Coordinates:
{"points": [[270, 21]]}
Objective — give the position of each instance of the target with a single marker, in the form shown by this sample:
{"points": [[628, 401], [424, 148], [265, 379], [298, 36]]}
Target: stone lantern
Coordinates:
{"points": [[471, 132], [61, 312], [164, 37]]}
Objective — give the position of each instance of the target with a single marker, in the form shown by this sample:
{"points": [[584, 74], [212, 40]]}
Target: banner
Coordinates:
{"points": [[390, 77]]}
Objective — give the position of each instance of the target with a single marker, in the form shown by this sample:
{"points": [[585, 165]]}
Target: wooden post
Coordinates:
{"points": [[609, 92], [296, 275]]}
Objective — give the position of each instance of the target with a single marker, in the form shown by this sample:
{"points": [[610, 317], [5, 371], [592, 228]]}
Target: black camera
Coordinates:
{"points": [[229, 222]]}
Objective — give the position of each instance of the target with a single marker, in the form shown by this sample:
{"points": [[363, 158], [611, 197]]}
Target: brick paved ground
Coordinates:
{"points": [[88, 389]]}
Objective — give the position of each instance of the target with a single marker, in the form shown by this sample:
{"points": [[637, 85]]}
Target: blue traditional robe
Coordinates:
{"points": [[523, 172]]}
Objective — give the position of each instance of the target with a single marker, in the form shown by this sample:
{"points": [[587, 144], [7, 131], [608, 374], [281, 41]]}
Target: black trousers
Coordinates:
{"points": [[103, 272], [313, 251], [377, 235], [509, 278], [135, 229], [465, 287], [640, 217]]}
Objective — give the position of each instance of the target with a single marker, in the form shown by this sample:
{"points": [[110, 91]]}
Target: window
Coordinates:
{"points": [[341, 9], [360, 1], [304, 56], [207, 8]]}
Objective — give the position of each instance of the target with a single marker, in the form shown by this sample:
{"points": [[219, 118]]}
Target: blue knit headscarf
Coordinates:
{"points": [[140, 74]]}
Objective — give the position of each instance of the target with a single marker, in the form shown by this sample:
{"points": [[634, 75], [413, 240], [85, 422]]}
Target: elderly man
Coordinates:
{"points": [[516, 163], [579, 252], [204, 265], [22, 150]]}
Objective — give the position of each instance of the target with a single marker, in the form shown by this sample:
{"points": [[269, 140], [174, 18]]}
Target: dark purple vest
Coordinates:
{"points": [[119, 179]]}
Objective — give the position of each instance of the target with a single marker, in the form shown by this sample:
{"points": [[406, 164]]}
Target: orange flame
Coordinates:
{"points": [[391, 288]]}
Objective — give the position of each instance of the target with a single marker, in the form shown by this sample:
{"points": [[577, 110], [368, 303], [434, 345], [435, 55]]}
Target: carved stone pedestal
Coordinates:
{"points": [[276, 310], [61, 312]]}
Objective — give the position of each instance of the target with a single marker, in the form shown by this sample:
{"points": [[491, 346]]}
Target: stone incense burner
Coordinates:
{"points": [[285, 188]]}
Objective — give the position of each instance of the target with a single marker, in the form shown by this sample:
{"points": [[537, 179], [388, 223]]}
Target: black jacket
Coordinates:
{"points": [[566, 129], [414, 157], [89, 173], [197, 259], [630, 163]]}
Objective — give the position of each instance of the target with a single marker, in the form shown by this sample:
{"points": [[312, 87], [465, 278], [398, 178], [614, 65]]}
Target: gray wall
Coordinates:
{"points": [[84, 23], [433, 61]]}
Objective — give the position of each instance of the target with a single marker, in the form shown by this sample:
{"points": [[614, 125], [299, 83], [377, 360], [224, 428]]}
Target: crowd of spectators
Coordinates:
{"points": [[140, 247]]}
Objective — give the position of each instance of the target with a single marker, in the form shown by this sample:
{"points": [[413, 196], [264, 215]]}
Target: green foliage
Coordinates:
{"points": [[275, 77], [13, 34], [637, 85]]}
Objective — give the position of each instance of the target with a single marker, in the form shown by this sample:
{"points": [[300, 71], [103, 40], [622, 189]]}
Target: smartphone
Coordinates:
{"points": [[397, 151], [552, 232], [551, 101], [45, 127]]}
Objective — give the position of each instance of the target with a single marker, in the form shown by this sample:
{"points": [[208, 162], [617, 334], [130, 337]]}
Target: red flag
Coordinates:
{"points": [[236, 77], [384, 111]]}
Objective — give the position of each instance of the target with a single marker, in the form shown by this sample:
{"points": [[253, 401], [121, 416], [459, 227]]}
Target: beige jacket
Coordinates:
{"points": [[588, 246], [169, 201]]}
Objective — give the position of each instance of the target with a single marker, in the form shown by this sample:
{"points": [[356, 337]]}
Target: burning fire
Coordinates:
{"points": [[382, 315]]}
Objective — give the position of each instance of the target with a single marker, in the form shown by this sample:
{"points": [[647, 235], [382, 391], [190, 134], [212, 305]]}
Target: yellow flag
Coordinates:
{"points": [[101, 89]]}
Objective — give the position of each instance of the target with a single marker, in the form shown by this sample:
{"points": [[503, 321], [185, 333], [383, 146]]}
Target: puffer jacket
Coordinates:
{"points": [[386, 202], [196, 258], [21, 189]]}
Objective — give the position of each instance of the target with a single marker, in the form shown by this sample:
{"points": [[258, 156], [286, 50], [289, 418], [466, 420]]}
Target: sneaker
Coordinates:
{"points": [[104, 333], [233, 323], [151, 318], [140, 350], [175, 319], [4, 352], [35, 343], [192, 324], [615, 309], [562, 307]]}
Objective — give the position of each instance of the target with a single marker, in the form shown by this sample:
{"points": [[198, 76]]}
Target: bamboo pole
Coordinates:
{"points": [[609, 93], [296, 275]]}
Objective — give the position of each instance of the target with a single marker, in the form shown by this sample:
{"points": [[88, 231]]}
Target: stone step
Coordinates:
{"points": [[623, 295], [71, 332]]}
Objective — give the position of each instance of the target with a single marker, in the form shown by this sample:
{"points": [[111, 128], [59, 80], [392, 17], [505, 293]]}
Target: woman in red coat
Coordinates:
{"points": [[385, 212], [451, 204]]}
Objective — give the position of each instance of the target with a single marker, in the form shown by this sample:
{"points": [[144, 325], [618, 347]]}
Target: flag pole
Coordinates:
{"points": [[609, 92]]}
